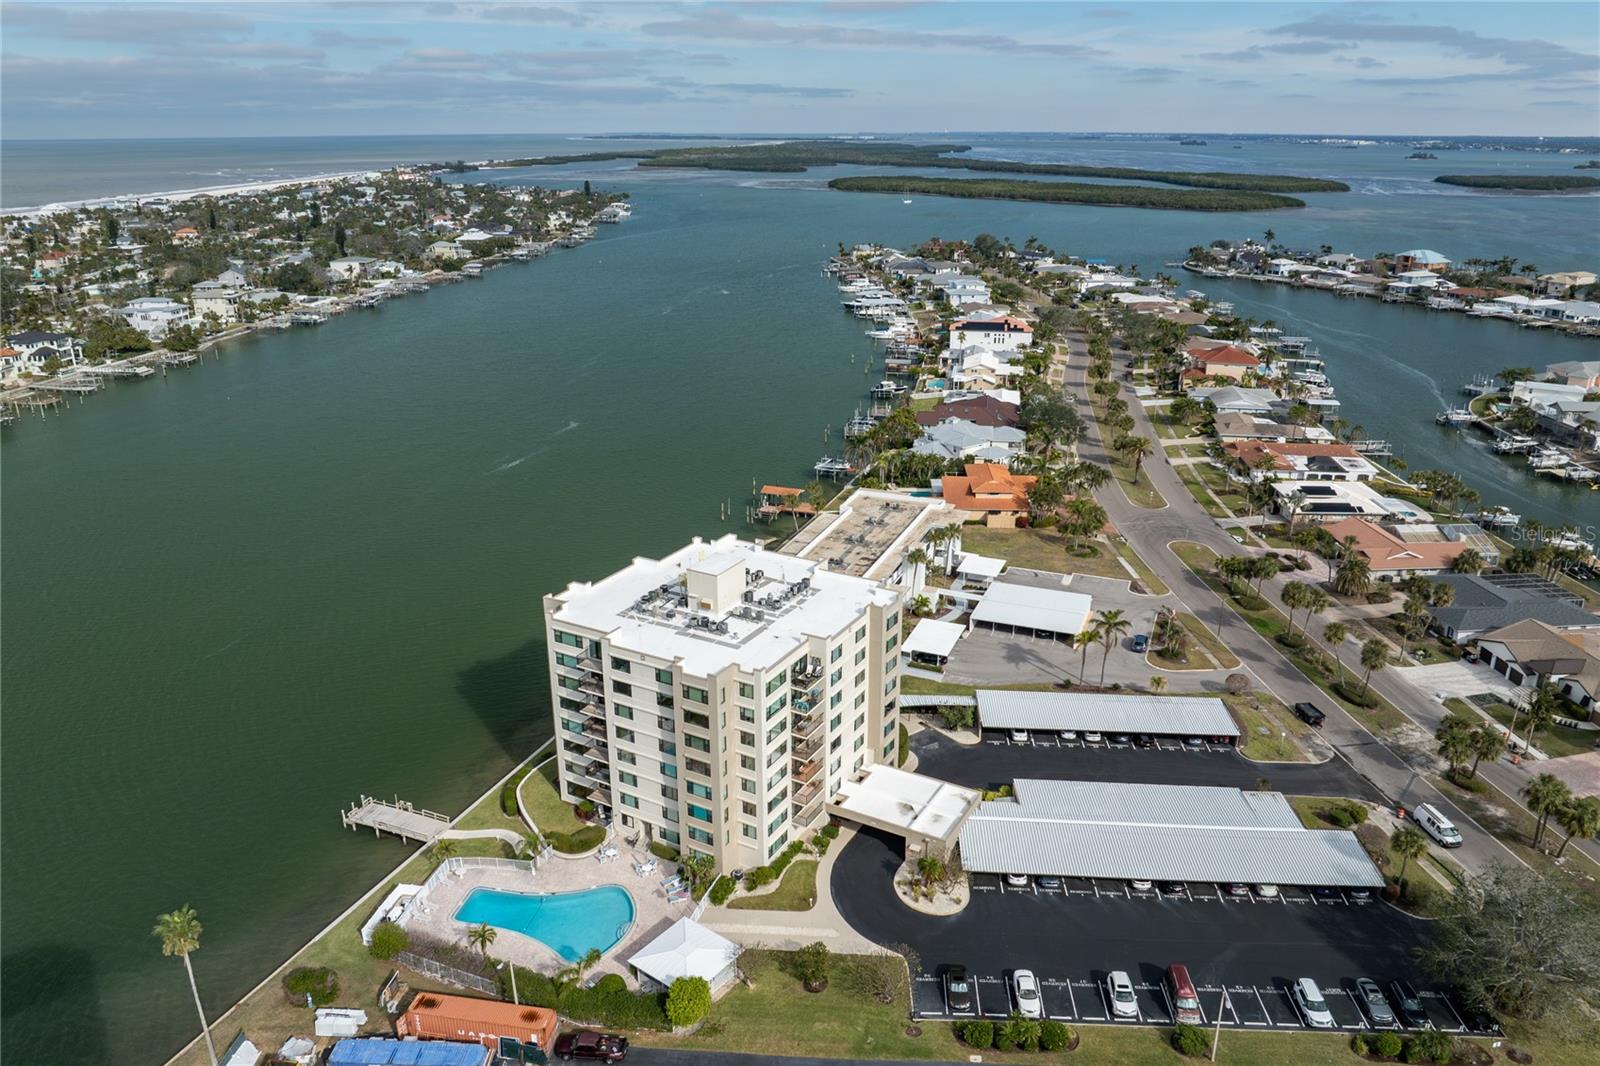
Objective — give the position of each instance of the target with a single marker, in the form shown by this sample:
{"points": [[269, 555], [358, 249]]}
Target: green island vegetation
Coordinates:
{"points": [[794, 156], [1071, 192], [1521, 182]]}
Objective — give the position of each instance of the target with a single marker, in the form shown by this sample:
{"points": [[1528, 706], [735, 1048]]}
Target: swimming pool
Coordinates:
{"points": [[568, 923]]}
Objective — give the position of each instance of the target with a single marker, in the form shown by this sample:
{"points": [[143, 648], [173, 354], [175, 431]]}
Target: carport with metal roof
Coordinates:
{"points": [[1198, 716], [1160, 833]]}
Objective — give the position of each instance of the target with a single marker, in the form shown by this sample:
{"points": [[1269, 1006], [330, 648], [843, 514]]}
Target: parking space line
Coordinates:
{"points": [[1073, 999], [1453, 1012]]}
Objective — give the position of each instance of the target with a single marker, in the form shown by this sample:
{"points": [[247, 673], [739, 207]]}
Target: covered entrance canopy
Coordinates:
{"points": [[933, 641], [927, 812]]}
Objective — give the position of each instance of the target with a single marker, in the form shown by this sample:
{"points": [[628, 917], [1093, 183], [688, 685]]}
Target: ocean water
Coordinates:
{"points": [[238, 596]]}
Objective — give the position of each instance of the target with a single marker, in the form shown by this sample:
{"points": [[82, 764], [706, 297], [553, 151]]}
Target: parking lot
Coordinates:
{"points": [[1172, 763], [1251, 947]]}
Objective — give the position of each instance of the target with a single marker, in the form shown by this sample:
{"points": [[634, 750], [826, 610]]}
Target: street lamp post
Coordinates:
{"points": [[1216, 1035]]}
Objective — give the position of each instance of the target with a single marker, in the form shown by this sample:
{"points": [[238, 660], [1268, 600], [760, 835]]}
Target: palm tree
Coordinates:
{"points": [[180, 936], [1134, 450], [1374, 657], [1083, 641], [1408, 843], [591, 958], [1455, 743], [1547, 795], [1581, 819], [1470, 561], [1542, 707], [1294, 598], [918, 559], [1354, 577], [1158, 684], [1111, 627], [1336, 633], [1486, 744], [441, 851], [480, 936]]}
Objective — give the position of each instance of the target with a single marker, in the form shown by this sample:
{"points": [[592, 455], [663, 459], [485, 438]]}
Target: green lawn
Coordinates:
{"points": [[1042, 549], [1428, 651], [1147, 577], [545, 806], [1214, 647], [778, 1017], [1270, 623], [1202, 495], [796, 891], [1194, 658], [912, 685], [1554, 740], [1282, 740], [1140, 493], [1225, 490], [1191, 451], [1514, 827]]}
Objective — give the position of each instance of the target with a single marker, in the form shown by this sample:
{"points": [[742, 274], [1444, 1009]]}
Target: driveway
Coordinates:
{"points": [[1459, 679]]}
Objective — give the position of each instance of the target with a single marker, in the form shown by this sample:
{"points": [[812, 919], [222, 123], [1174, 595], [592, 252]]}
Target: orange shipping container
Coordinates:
{"points": [[439, 1016]]}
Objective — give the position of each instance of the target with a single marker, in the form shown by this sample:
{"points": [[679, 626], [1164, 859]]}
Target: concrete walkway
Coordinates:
{"points": [[789, 930]]}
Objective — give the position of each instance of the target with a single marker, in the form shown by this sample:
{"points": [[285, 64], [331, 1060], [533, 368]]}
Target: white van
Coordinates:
{"points": [[1437, 826]]}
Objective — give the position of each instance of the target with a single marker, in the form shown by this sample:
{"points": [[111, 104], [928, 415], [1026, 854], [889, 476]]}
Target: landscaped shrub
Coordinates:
{"points": [[1358, 1044], [721, 890], [1294, 641], [588, 837], [759, 877], [688, 1000], [318, 982], [1017, 1032], [388, 940], [508, 791], [829, 831], [1190, 1040], [1430, 1045], [904, 752], [1388, 1045], [610, 984], [811, 966], [786, 856], [663, 851], [606, 1004], [1381, 594], [977, 1034], [1054, 1035], [1351, 692]]}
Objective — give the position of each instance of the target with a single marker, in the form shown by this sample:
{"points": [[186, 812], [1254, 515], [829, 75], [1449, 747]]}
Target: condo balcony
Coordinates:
{"points": [[806, 725], [806, 770]]}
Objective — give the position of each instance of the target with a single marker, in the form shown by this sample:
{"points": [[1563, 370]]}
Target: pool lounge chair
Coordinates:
{"points": [[678, 895], [671, 883]]}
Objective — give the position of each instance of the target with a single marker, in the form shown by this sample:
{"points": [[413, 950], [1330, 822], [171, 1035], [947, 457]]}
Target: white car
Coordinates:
{"points": [[1019, 736], [1267, 891], [1092, 738], [1308, 997], [1026, 990], [1119, 989], [1017, 880], [1139, 884], [1069, 734]]}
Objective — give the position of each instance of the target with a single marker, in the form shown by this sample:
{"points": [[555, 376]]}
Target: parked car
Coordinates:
{"points": [[1408, 1005], [1237, 890], [1069, 734], [1019, 736], [1196, 742], [1174, 888], [1139, 884], [1121, 738], [1145, 740], [1313, 1008], [1092, 738], [1017, 880], [1375, 1003], [1119, 990], [957, 990], [1050, 881], [1326, 892], [1185, 1000], [1358, 893], [1141, 643], [1025, 988], [1437, 826], [1310, 714], [1267, 891], [587, 1044]]}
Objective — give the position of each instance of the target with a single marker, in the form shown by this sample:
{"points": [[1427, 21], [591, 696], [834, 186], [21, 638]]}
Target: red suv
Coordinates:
{"points": [[1185, 1000]]}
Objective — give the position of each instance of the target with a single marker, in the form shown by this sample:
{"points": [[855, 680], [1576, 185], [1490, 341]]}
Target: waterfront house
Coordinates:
{"points": [[448, 250], [1571, 422], [155, 315], [1232, 399], [979, 368], [1421, 259], [1303, 461], [232, 278], [1583, 373], [982, 410], [221, 304], [996, 334], [62, 345], [1339, 260], [989, 492], [1235, 426], [962, 289], [1483, 602], [956, 438], [351, 267], [1583, 312], [1331, 501], [1529, 650], [1398, 550], [1224, 361], [1564, 282]]}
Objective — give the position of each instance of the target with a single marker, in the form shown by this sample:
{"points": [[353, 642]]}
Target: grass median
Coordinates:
{"points": [[796, 891]]}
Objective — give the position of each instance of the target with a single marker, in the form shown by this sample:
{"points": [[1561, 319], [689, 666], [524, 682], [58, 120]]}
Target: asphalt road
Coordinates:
{"points": [[987, 765], [665, 1057], [1254, 948]]}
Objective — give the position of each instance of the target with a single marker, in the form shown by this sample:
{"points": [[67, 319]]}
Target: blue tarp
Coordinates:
{"points": [[380, 1051]]}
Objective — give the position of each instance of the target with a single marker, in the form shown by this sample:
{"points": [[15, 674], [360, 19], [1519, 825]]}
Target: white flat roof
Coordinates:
{"points": [[1158, 832], [1204, 716], [909, 802], [980, 565], [933, 637], [1030, 607], [626, 608], [685, 949]]}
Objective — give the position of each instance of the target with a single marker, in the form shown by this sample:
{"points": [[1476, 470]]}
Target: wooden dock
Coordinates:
{"points": [[397, 817]]}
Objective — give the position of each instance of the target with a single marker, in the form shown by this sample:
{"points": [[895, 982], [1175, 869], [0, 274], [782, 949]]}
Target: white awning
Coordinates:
{"points": [[687, 949], [1030, 607], [934, 638], [980, 566], [1195, 716]]}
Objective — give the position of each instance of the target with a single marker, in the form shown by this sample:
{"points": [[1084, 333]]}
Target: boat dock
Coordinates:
{"points": [[397, 817]]}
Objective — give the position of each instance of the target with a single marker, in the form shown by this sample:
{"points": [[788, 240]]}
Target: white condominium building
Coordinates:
{"points": [[714, 699]]}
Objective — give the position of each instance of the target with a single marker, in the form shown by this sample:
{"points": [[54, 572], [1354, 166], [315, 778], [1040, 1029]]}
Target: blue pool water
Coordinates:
{"points": [[568, 923]]}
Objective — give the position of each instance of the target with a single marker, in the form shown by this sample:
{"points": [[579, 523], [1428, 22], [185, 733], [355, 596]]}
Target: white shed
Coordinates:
{"points": [[688, 949]]}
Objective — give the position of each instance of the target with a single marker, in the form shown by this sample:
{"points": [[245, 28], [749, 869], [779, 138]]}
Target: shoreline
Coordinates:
{"points": [[180, 195]]}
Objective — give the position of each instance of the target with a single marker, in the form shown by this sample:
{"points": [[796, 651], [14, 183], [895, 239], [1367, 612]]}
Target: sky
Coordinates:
{"points": [[87, 70]]}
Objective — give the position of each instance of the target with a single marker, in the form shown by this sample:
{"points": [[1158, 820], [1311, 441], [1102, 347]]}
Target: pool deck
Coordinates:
{"points": [[652, 914]]}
